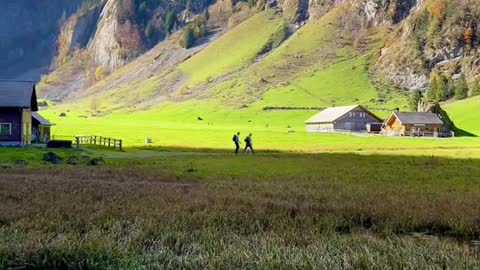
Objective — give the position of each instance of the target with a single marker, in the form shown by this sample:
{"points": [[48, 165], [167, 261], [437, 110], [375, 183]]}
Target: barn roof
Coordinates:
{"points": [[418, 118], [40, 119], [18, 94], [333, 113]]}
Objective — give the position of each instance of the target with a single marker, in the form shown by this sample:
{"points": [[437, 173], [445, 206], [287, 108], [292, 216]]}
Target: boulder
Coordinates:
{"points": [[73, 160], [96, 161], [52, 158]]}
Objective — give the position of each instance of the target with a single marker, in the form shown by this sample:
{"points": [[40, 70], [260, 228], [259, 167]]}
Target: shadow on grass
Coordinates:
{"points": [[463, 133]]}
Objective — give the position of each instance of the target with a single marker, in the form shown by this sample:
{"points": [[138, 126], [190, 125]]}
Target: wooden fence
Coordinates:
{"points": [[98, 140]]}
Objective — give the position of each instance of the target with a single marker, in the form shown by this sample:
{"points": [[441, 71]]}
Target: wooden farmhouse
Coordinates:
{"points": [[354, 118], [413, 124], [20, 124]]}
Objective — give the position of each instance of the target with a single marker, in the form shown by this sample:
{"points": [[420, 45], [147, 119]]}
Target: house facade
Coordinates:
{"points": [[414, 124], [354, 118], [18, 100]]}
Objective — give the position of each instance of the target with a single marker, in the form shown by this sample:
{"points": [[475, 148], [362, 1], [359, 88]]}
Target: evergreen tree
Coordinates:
{"points": [[415, 98], [476, 89], [432, 89], [170, 21], [461, 89], [441, 88], [188, 38], [206, 14]]}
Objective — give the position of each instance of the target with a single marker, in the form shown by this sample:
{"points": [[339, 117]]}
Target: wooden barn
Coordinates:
{"points": [[354, 118], [18, 118], [413, 124]]}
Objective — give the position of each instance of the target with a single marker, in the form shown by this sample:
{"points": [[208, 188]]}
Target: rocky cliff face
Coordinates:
{"points": [[440, 36], [104, 46]]}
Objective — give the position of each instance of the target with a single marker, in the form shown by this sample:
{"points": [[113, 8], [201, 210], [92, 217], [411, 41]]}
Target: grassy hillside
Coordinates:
{"points": [[236, 49], [303, 71], [465, 114]]}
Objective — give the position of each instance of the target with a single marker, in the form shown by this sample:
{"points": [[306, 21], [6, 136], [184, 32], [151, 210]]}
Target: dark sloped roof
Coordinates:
{"points": [[333, 113], [18, 94], [40, 119], [418, 118]]}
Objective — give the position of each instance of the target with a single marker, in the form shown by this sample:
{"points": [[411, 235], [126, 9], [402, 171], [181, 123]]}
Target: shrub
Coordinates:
{"points": [[100, 73]]}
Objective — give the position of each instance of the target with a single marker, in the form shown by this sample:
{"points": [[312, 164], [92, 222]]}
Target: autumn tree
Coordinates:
{"points": [[126, 10], [437, 10], [129, 39], [468, 35]]}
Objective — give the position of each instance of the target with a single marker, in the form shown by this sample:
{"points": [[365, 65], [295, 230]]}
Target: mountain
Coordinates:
{"points": [[28, 31], [136, 55]]}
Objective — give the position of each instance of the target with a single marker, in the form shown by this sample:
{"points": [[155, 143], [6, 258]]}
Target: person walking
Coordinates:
{"points": [[248, 144], [236, 140]]}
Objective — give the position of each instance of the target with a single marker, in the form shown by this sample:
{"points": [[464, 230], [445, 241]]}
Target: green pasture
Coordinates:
{"points": [[177, 125], [465, 114]]}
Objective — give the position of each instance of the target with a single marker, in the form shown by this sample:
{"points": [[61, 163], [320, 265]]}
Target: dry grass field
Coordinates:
{"points": [[215, 211]]}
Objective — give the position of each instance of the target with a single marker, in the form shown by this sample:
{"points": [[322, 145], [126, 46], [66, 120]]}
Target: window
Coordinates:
{"points": [[5, 129], [352, 114]]}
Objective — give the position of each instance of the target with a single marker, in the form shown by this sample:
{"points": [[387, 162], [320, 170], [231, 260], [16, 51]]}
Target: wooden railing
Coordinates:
{"points": [[98, 140]]}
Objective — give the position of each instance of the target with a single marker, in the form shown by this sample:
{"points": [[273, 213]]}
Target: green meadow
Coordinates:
{"points": [[231, 93]]}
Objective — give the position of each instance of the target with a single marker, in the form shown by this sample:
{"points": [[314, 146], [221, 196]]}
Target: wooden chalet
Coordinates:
{"points": [[414, 124], [20, 124], [354, 118]]}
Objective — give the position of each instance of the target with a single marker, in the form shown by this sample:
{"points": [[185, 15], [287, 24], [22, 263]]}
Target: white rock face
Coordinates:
{"points": [[407, 78], [104, 46]]}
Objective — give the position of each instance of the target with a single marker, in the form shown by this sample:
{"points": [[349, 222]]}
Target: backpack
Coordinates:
{"points": [[234, 138]]}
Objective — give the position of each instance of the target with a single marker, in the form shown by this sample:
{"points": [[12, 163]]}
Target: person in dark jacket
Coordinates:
{"points": [[248, 144], [236, 140]]}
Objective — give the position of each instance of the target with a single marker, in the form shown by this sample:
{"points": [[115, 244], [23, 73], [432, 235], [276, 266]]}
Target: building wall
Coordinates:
{"points": [[356, 120], [27, 126], [396, 128], [13, 116], [324, 127]]}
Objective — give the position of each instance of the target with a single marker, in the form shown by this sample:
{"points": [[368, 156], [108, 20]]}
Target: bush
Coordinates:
{"points": [[100, 73]]}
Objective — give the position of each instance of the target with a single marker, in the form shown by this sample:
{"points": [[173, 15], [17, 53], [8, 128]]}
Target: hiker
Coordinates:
{"points": [[248, 142], [236, 140]]}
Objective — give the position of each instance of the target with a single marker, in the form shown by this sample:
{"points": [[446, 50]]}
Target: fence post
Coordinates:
{"points": [[120, 145], [77, 140]]}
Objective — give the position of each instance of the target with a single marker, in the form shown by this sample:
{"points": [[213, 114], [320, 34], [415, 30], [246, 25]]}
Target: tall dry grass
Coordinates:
{"points": [[153, 216]]}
